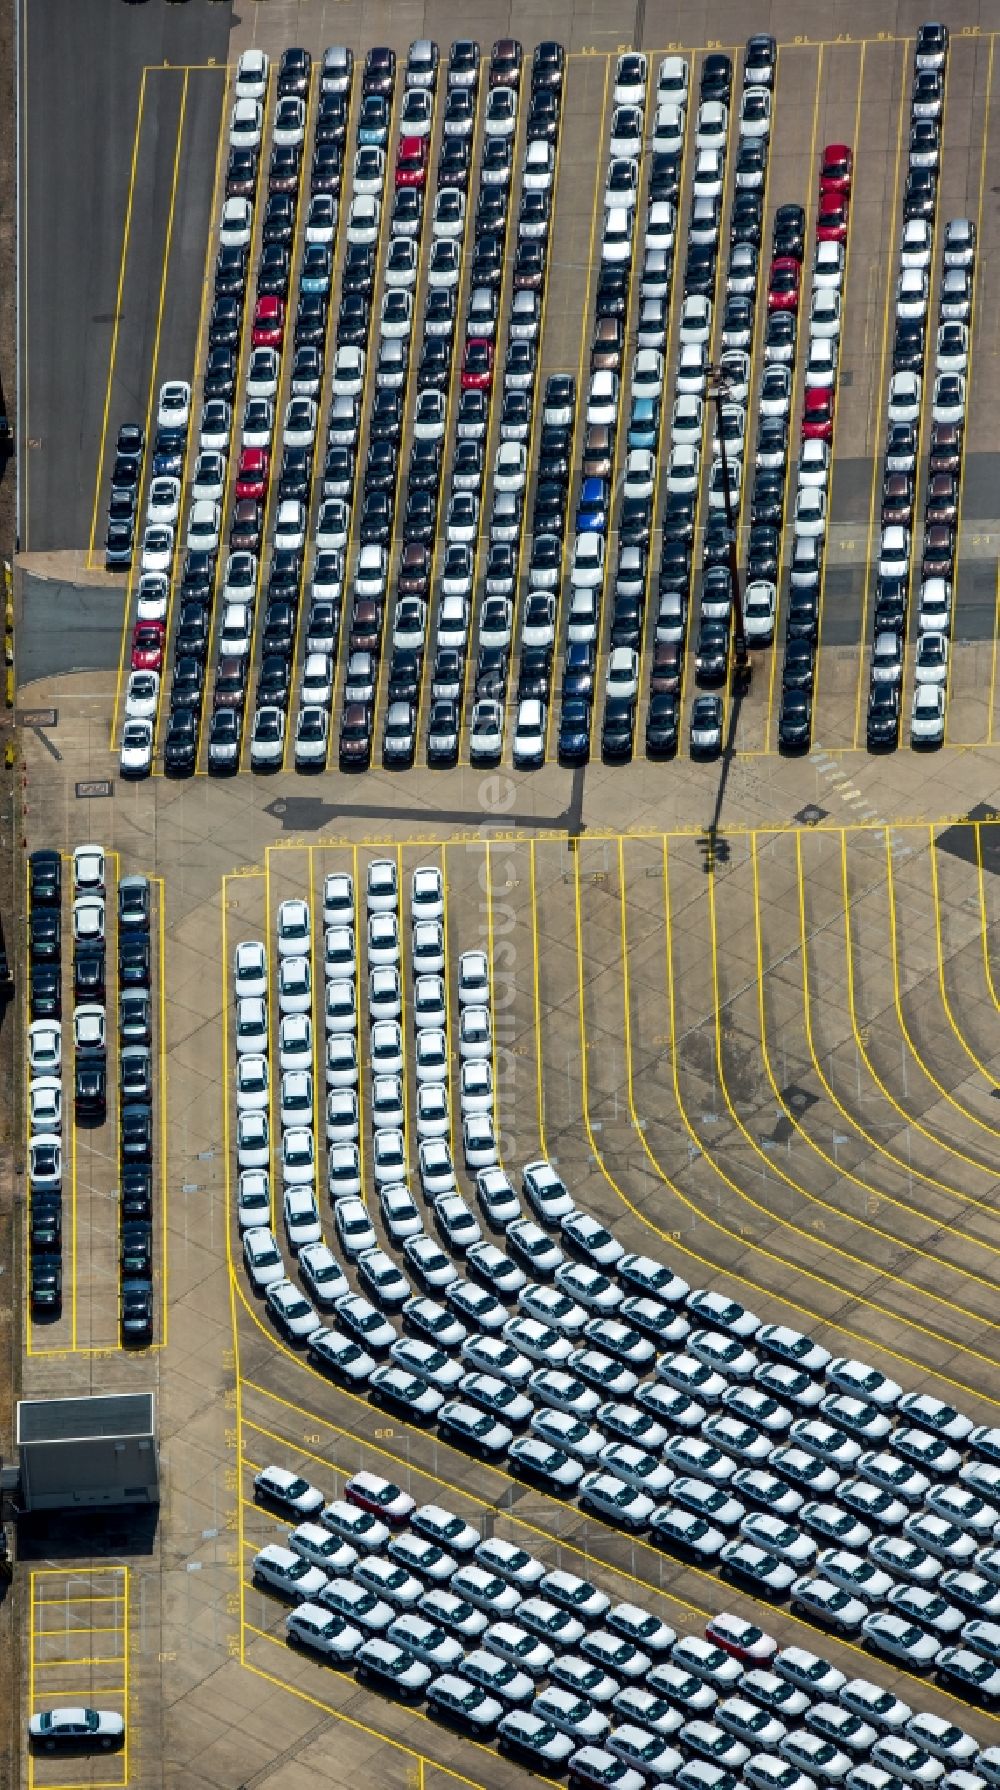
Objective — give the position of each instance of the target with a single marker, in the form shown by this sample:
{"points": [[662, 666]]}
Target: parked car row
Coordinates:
{"points": [[904, 407], [810, 514], [123, 504], [90, 1070], [487, 365], [423, 1605], [693, 412]]}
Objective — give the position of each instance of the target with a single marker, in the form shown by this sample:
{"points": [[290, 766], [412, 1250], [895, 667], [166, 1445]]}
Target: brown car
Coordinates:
{"points": [[356, 737], [609, 339], [366, 627], [230, 683], [505, 63], [946, 447], [247, 525], [941, 504], [897, 500], [598, 451], [529, 267], [939, 552], [667, 669], [241, 174], [286, 164], [414, 570]]}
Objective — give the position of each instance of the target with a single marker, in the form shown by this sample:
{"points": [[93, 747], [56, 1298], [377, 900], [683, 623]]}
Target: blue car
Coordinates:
{"points": [[373, 124], [315, 276], [644, 423], [574, 731], [578, 670], [592, 511]]}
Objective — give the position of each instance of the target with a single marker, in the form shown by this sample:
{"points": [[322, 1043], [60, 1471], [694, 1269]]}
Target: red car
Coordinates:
{"points": [[817, 413], [477, 365], [253, 472], [411, 161], [836, 169], [148, 640], [744, 1640], [269, 322], [783, 284], [831, 219]]}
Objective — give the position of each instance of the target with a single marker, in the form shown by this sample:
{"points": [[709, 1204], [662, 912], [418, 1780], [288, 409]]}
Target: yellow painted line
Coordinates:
{"points": [[879, 412], [374, 1733], [404, 1031], [72, 1629], [973, 1057], [450, 1037], [993, 664], [154, 365], [958, 1106], [581, 398], [772, 1166], [126, 235], [907, 1117], [839, 1168], [358, 911], [970, 386], [898, 1161], [713, 1224], [227, 1182], [987, 966]]}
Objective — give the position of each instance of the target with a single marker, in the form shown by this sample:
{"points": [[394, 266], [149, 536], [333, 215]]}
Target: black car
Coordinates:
{"points": [[908, 346], [327, 170], [135, 1196], [762, 551], [767, 500], [295, 478], [279, 219], [230, 271], [618, 727], [220, 372], [273, 681], [453, 163], [359, 269], [678, 515], [45, 1224], [380, 70], [331, 119], [920, 194], [626, 621], [279, 629], [45, 878], [224, 323], [134, 960], [135, 1245], [130, 444], [310, 320], [353, 320], [294, 72], [574, 730], [746, 218], [134, 1023], [447, 674], [442, 733], [699, 269], [135, 1132], [534, 675], [665, 174], [191, 639], [424, 473], [386, 422], [46, 991], [883, 716], [188, 684], [712, 652], [779, 331], [273, 270], [46, 1285], [803, 616], [90, 1089], [492, 671], [662, 722], [789, 236], [225, 732], [46, 934], [89, 972], [716, 77], [136, 1310], [798, 669], [794, 719]]}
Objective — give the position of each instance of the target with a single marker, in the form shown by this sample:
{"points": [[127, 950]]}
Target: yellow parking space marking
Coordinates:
{"points": [[736, 1276], [80, 1682], [112, 357]]}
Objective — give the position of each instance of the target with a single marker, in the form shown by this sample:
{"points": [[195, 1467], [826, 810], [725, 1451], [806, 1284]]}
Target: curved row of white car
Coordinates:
{"points": [[422, 1605], [661, 1408]]}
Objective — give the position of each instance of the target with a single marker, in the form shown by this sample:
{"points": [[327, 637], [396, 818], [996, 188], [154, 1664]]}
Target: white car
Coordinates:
{"points": [[157, 548], [948, 401], [825, 313], [810, 511], [912, 290], [828, 265], [905, 392], [174, 404], [927, 717], [759, 609], [76, 1727], [952, 348], [711, 124], [236, 226], [931, 664], [251, 74], [755, 112]]}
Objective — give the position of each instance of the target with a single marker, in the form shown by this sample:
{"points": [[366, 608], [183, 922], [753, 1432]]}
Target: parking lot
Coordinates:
{"points": [[744, 1006]]}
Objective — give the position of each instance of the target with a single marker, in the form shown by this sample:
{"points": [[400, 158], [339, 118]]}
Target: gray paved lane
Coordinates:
{"points": [[83, 63]]}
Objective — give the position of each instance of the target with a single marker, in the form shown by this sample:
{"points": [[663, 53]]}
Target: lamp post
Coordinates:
{"points": [[720, 389]]}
